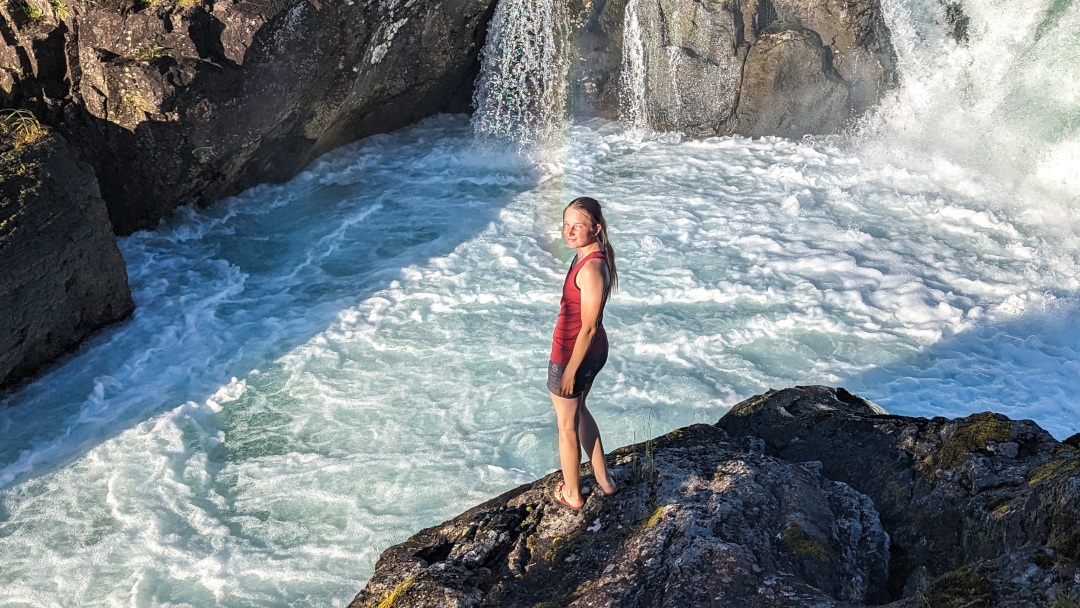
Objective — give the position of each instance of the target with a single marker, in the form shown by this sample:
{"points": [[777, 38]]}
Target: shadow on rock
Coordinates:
{"points": [[699, 521], [981, 510]]}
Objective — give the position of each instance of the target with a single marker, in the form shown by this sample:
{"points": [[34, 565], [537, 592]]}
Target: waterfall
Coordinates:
{"points": [[520, 96], [632, 101], [1001, 104]]}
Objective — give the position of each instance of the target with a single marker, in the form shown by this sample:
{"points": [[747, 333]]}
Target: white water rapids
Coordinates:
{"points": [[318, 369]]}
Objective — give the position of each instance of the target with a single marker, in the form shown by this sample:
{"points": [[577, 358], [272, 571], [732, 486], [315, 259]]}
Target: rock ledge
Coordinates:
{"points": [[810, 496]]}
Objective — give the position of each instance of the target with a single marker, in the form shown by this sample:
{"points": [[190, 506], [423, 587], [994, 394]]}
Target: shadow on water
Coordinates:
{"points": [[224, 291], [1026, 367]]}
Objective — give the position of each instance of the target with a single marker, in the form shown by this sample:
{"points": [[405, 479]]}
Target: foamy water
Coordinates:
{"points": [[317, 370]]}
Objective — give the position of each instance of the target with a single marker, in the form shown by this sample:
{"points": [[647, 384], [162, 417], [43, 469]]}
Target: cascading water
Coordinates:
{"points": [[320, 368], [632, 102], [520, 95], [1000, 108]]}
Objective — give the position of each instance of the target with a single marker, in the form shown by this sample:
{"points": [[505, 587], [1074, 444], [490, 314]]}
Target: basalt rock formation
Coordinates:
{"points": [[63, 275], [810, 496], [981, 510], [751, 67], [174, 101]]}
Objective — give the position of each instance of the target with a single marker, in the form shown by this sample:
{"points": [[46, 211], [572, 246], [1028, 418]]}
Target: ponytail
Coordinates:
{"points": [[591, 207]]}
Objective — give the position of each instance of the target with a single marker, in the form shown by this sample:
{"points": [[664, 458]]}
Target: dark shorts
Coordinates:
{"points": [[584, 377]]}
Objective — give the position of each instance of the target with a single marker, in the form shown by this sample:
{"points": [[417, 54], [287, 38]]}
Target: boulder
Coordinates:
{"points": [[63, 274], [175, 101], [698, 521], [790, 88], [981, 510]]}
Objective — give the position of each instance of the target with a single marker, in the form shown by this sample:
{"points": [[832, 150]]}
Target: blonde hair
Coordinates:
{"points": [[591, 208]]}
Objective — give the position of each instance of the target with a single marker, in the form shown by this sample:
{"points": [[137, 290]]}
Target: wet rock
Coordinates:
{"points": [[788, 92], [189, 100], [63, 275], [698, 521], [754, 67], [984, 509]]}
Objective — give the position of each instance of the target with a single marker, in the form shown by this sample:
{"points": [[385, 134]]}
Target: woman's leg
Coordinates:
{"points": [[589, 437], [566, 415]]}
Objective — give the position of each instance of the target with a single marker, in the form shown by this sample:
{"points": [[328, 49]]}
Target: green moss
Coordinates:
{"points": [[753, 402], [1043, 560], [585, 587], [653, 519], [32, 11], [1066, 542], [1066, 599], [62, 11], [553, 551], [403, 586], [798, 542], [962, 587], [1054, 469], [559, 602], [974, 434]]}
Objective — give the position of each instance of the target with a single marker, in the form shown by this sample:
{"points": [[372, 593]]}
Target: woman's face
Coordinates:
{"points": [[577, 228]]}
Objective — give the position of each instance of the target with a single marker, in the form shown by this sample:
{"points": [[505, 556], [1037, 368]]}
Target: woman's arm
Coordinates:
{"points": [[590, 280]]}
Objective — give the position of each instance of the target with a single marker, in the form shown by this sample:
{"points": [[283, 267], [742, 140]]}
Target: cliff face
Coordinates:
{"points": [[751, 67], [63, 275], [180, 100], [805, 497]]}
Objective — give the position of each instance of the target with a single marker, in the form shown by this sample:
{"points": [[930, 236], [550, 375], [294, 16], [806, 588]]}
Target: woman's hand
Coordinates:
{"points": [[566, 382]]}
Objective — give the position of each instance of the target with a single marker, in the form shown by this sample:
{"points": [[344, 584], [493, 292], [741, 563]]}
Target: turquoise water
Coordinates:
{"points": [[318, 369]]}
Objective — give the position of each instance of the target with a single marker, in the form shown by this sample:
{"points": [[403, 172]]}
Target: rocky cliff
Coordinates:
{"points": [[63, 275], [751, 67], [180, 100], [804, 497], [174, 101]]}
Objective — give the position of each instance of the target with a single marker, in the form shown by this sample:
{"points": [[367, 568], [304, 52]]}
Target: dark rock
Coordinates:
{"points": [[977, 511], [956, 21], [63, 275], [698, 522], [755, 67], [184, 100], [790, 88], [984, 508]]}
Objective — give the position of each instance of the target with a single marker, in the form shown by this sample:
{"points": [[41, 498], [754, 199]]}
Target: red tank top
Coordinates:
{"points": [[569, 323]]}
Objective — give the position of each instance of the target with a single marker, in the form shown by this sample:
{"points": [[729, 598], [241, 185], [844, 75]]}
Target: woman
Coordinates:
{"points": [[579, 347]]}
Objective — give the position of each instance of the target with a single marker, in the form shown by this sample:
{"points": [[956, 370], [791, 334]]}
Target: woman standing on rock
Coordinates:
{"points": [[579, 347]]}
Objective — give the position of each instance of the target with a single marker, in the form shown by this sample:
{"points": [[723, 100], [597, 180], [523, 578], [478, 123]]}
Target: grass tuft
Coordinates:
{"points": [[1066, 599], [150, 52], [29, 9], [22, 125], [62, 11]]}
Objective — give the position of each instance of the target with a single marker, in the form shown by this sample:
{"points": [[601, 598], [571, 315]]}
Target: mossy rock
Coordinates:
{"points": [[394, 596], [1043, 560], [974, 434], [1067, 543], [1055, 469], [965, 587], [798, 542]]}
